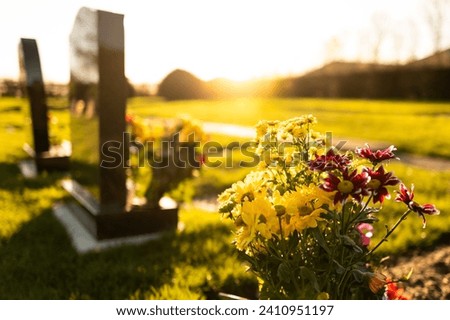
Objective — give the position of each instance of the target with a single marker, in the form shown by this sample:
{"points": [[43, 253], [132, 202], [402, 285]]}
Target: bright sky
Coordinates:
{"points": [[236, 39]]}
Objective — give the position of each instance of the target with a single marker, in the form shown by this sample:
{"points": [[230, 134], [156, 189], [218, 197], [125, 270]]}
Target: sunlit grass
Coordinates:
{"points": [[430, 187], [415, 127], [38, 262]]}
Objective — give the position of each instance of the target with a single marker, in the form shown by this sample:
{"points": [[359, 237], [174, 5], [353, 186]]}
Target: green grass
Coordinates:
{"points": [[430, 187], [414, 127], [37, 260]]}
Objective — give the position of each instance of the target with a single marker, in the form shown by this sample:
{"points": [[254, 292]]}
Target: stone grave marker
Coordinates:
{"points": [[99, 151], [46, 156]]}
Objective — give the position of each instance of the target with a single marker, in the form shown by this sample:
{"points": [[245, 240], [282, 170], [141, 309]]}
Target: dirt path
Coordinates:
{"points": [[430, 279], [430, 163]]}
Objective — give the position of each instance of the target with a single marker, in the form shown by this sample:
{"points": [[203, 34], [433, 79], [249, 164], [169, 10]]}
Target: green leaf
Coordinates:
{"points": [[370, 220], [321, 240], [406, 278], [284, 272], [227, 207], [311, 276], [347, 241], [360, 275], [340, 269]]}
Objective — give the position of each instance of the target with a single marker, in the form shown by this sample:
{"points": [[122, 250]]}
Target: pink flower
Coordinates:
{"points": [[406, 196], [379, 179], [129, 118], [353, 184], [200, 159], [429, 209], [377, 156], [366, 232], [329, 162]]}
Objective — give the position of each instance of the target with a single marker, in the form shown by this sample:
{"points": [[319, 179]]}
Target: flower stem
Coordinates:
{"points": [[362, 210], [367, 203], [403, 217]]}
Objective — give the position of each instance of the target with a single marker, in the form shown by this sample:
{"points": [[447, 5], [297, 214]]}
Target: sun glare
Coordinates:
{"points": [[239, 40]]}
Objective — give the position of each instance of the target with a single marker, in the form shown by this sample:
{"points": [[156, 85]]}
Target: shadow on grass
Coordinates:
{"points": [[85, 173], [12, 108], [38, 262], [11, 178]]}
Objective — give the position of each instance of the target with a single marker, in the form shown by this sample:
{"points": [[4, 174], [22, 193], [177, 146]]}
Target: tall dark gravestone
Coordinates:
{"points": [[99, 151], [46, 156]]}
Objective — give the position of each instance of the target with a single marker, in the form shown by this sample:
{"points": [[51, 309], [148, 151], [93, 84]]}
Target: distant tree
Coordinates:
{"points": [[436, 12], [380, 30], [333, 49], [131, 92], [412, 50], [142, 90], [10, 88], [398, 45], [181, 85]]}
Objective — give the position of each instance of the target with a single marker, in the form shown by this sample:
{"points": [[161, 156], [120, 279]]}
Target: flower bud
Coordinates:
{"points": [[281, 210]]}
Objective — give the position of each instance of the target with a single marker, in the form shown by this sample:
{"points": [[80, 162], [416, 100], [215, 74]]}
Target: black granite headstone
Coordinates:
{"points": [[99, 152], [46, 156]]}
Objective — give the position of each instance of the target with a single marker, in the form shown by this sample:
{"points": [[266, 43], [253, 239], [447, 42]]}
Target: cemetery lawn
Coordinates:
{"points": [[414, 127], [38, 262]]}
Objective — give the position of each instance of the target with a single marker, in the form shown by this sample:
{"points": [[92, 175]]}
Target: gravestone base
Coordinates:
{"points": [[135, 221], [56, 159], [28, 169], [84, 242]]}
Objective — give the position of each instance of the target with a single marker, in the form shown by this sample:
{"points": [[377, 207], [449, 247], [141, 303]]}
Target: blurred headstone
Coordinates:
{"points": [[99, 151], [46, 156]]}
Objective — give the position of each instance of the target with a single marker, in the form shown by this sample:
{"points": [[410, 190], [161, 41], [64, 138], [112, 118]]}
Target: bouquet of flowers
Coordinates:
{"points": [[170, 148], [304, 219]]}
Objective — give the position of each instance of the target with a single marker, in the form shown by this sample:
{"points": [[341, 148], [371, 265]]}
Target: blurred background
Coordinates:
{"points": [[237, 40], [374, 72]]}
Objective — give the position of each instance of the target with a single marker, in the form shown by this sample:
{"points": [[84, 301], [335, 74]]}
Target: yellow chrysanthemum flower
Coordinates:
{"points": [[280, 201], [304, 206], [299, 132], [225, 196], [243, 191], [248, 189], [259, 218], [261, 129], [191, 131]]}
